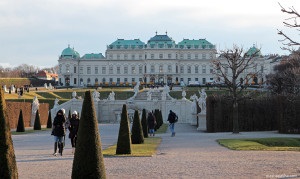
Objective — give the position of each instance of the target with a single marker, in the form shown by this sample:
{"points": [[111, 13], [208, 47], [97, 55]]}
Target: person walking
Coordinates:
{"points": [[172, 118], [58, 130], [151, 123], [73, 128]]}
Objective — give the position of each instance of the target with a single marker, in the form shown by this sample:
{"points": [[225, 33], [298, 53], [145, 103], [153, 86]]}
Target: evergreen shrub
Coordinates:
{"points": [[137, 136], [37, 121], [20, 127], [88, 159], [8, 165], [124, 139]]}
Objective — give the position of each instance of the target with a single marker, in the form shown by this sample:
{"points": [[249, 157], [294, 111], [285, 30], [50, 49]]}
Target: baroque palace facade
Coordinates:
{"points": [[159, 61]]}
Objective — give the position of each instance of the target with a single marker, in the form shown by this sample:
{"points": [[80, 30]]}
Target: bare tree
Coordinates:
{"points": [[286, 79], [229, 68], [291, 23]]}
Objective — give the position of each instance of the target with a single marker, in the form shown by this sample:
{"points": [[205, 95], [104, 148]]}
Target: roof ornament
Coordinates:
{"points": [[166, 32], [156, 33]]}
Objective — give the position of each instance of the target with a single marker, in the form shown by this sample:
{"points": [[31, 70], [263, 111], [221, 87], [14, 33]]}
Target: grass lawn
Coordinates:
{"points": [[268, 144], [147, 149]]}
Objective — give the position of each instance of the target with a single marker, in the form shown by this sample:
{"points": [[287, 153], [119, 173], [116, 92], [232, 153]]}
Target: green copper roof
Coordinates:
{"points": [[136, 43], [70, 53], [253, 50], [201, 43], [161, 39], [93, 56]]}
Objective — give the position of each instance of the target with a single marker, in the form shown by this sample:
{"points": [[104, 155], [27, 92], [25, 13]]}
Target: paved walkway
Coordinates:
{"points": [[190, 154]]}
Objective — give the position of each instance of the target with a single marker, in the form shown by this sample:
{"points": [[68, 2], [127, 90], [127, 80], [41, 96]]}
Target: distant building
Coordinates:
{"points": [[47, 76], [161, 61]]}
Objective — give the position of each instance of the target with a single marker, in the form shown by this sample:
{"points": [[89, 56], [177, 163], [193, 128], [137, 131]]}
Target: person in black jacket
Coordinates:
{"points": [[151, 123], [73, 128], [58, 130], [172, 118]]}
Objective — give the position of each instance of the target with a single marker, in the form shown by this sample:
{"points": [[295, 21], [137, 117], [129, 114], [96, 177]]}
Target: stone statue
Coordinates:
{"points": [[194, 98], [166, 89], [50, 86], [96, 95], [149, 94], [56, 103], [74, 94], [45, 85], [136, 87], [111, 96], [183, 94], [35, 107], [202, 100]]}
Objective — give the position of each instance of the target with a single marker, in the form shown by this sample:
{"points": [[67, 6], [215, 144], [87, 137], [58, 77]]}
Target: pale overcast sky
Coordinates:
{"points": [[36, 31]]}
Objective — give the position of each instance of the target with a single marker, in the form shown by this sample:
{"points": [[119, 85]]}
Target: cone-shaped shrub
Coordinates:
{"points": [[157, 119], [49, 121], [124, 139], [37, 121], [88, 160], [161, 120], [144, 123], [137, 136], [8, 165], [69, 116], [20, 127]]}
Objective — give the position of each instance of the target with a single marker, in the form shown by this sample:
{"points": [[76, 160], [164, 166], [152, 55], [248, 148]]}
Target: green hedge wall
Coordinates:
{"points": [[261, 114]]}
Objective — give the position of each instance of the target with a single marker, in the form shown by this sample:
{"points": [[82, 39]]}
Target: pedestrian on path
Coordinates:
{"points": [[172, 118], [58, 130], [73, 128], [151, 123]]}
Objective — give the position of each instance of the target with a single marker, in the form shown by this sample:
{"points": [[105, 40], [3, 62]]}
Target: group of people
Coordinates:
{"points": [[59, 127], [61, 124], [151, 120]]}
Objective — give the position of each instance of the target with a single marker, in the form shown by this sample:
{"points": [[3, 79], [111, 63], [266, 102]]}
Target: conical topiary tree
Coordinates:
{"points": [[88, 160], [124, 139], [8, 165], [20, 127], [69, 116], [137, 136], [49, 121], [37, 121], [157, 119], [145, 123], [161, 120]]}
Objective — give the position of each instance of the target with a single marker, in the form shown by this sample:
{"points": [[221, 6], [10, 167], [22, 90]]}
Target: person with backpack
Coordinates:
{"points": [[172, 118], [58, 130], [73, 128]]}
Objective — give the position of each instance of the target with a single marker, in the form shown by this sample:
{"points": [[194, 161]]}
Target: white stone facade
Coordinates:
{"points": [[160, 60]]}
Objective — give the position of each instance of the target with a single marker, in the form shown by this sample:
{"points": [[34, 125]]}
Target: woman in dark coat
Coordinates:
{"points": [[73, 128], [58, 130], [151, 123]]}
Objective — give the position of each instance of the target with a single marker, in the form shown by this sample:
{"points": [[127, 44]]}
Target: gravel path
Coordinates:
{"points": [[190, 154]]}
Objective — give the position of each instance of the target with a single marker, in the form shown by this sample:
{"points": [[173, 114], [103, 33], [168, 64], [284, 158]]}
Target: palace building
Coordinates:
{"points": [[159, 61]]}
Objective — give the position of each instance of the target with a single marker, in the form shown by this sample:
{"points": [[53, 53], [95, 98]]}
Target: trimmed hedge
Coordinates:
{"points": [[8, 164], [124, 139], [137, 136], [37, 121], [20, 127], [88, 160], [145, 123], [259, 114]]}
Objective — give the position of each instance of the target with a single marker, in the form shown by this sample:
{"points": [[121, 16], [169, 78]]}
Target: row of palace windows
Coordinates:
{"points": [[163, 56], [126, 80], [140, 70]]}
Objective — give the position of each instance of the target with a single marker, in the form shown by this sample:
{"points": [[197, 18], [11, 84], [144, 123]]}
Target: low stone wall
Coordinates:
{"points": [[13, 112]]}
